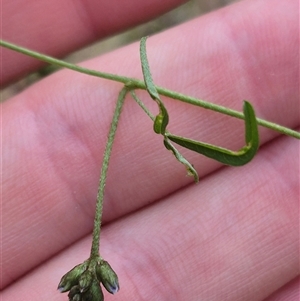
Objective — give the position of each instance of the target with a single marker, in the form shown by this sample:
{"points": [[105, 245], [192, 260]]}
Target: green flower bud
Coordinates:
{"points": [[85, 281], [77, 297], [71, 278], [74, 293], [94, 293], [108, 277]]}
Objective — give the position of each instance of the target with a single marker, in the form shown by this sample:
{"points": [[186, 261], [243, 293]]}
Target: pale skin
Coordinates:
{"points": [[233, 236]]}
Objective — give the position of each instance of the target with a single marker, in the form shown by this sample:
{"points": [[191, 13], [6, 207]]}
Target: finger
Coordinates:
{"points": [[59, 127], [289, 292], [235, 237], [57, 28]]}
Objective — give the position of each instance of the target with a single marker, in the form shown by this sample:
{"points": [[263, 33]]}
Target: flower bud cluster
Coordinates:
{"points": [[83, 281]]}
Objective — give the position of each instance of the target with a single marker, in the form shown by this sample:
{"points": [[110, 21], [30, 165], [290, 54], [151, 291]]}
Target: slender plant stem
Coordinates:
{"points": [[133, 83], [220, 109], [60, 63], [102, 182], [142, 105]]}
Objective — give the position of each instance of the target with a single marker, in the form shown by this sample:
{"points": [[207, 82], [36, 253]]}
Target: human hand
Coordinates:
{"points": [[234, 236]]}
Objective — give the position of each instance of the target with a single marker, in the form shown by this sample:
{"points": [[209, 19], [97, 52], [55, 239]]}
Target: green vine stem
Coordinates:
{"points": [[139, 84]]}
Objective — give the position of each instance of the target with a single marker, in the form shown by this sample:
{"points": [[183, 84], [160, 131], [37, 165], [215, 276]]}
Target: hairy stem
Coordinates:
{"points": [[139, 84], [60, 63], [142, 105], [107, 153]]}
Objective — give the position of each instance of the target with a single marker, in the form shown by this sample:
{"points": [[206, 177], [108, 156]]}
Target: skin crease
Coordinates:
{"points": [[234, 236]]}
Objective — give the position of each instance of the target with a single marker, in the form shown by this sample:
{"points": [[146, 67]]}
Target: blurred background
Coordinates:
{"points": [[187, 11]]}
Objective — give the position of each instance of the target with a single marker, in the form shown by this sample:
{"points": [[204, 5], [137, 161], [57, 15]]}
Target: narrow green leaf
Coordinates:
{"points": [[223, 155], [251, 127], [162, 119], [146, 71], [189, 167]]}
